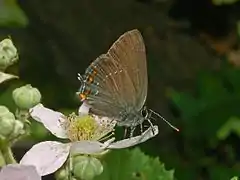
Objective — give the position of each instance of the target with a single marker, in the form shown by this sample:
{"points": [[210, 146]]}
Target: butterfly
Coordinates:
{"points": [[115, 84]]}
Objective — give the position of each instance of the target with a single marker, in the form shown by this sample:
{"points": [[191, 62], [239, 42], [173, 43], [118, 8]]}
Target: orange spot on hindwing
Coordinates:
{"points": [[90, 79], [82, 96]]}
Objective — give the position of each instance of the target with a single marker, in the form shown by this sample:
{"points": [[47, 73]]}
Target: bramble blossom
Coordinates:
{"points": [[86, 134]]}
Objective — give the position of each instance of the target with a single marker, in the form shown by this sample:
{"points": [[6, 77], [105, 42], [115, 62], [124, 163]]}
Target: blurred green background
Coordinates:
{"points": [[193, 69]]}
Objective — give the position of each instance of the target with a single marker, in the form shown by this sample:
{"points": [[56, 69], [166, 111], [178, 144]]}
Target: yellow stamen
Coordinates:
{"points": [[87, 128], [81, 128]]}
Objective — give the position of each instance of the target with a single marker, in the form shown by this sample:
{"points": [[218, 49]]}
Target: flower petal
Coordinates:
{"points": [[19, 172], [149, 133], [46, 156], [87, 147], [54, 121], [83, 109], [5, 77], [107, 122]]}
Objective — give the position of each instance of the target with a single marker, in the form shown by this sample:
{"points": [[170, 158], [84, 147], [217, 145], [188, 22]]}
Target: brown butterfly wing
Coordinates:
{"points": [[129, 51], [120, 81], [106, 93]]}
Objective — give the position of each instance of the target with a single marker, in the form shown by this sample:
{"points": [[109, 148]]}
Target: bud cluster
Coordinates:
{"points": [[9, 126], [13, 126]]}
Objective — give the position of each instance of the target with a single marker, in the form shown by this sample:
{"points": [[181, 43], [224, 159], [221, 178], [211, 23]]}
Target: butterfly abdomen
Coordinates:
{"points": [[131, 119]]}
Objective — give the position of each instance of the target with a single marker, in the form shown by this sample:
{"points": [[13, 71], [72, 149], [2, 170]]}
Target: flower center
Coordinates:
{"points": [[81, 127]]}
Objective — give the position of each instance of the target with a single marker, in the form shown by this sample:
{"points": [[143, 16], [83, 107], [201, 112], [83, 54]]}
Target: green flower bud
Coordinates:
{"points": [[61, 174], [87, 168], [18, 129], [26, 97], [8, 54], [4, 111], [7, 122]]}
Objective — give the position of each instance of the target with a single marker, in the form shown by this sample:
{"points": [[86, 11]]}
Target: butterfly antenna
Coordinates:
{"points": [[80, 78], [164, 120], [152, 118]]}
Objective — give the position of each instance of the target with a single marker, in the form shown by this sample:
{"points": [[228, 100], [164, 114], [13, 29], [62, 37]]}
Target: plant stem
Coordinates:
{"points": [[2, 160], [8, 154]]}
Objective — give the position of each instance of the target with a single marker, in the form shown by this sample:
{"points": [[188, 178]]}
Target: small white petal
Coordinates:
{"points": [[135, 140], [83, 109], [19, 172], [54, 121], [46, 156], [87, 147]]}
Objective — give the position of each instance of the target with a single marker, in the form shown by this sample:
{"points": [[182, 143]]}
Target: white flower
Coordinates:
{"points": [[19, 172], [86, 134]]}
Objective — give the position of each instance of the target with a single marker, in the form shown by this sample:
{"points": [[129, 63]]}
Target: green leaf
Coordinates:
{"points": [[234, 178], [5, 77], [222, 172], [218, 101], [187, 104], [232, 125], [233, 76], [211, 87], [133, 165], [11, 14]]}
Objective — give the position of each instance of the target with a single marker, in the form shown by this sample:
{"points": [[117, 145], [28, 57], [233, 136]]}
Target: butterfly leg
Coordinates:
{"points": [[125, 133], [141, 128], [132, 129], [149, 121], [151, 124]]}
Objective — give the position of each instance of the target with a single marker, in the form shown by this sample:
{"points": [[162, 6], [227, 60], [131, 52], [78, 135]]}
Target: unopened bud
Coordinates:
{"points": [[61, 174], [8, 54], [7, 122], [18, 129], [26, 97], [85, 167]]}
